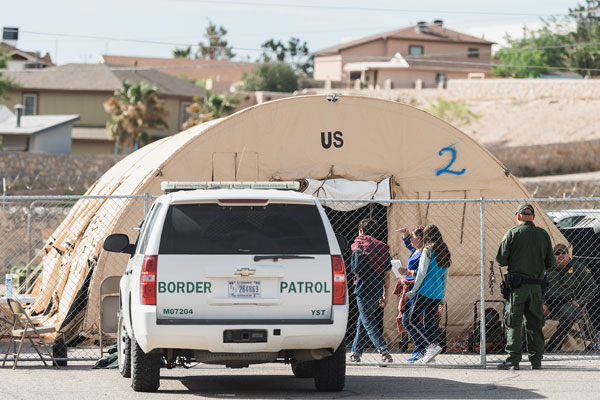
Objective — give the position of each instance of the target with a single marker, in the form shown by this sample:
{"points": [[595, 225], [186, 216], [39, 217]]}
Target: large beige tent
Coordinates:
{"points": [[311, 137]]}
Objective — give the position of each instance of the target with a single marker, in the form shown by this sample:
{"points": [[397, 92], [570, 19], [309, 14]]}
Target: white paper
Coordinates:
{"points": [[396, 267]]}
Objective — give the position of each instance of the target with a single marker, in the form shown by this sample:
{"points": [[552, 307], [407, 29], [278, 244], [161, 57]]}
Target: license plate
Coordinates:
{"points": [[244, 288]]}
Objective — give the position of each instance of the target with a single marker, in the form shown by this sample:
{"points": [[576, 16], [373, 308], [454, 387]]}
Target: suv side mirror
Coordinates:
{"points": [[342, 241], [118, 243]]}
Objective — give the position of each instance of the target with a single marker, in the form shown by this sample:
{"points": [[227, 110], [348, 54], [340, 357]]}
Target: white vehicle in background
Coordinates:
{"points": [[570, 218], [233, 277]]}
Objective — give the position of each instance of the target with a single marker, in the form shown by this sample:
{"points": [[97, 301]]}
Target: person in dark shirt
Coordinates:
{"points": [[527, 251], [369, 263], [570, 286]]}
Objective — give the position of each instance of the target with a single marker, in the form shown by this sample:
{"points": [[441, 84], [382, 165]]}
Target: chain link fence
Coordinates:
{"points": [[52, 247]]}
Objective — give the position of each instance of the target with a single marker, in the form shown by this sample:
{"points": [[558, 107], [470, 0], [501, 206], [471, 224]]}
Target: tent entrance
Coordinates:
{"points": [[345, 217], [346, 224]]}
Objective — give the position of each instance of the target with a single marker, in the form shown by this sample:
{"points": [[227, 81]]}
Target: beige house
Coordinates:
{"points": [[20, 60], [219, 75], [83, 88], [424, 55]]}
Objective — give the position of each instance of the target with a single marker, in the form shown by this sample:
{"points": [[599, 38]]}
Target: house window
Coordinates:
{"points": [[354, 75], [473, 53], [440, 77], [415, 50], [30, 104], [183, 113]]}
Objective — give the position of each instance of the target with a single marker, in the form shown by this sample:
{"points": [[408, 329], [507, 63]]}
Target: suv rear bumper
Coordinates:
{"points": [[150, 335]]}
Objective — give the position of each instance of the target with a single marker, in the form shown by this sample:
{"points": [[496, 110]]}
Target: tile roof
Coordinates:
{"points": [[434, 33], [101, 77], [33, 124], [193, 69]]}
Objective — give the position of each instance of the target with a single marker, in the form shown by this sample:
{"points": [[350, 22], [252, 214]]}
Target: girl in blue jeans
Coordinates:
{"points": [[429, 291], [413, 242]]}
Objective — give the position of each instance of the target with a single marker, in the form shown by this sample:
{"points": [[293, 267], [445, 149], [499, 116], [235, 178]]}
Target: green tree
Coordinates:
{"points": [[272, 77], [587, 30], [134, 108], [543, 48], [556, 45], [217, 47], [6, 83], [209, 107], [185, 52], [295, 53]]}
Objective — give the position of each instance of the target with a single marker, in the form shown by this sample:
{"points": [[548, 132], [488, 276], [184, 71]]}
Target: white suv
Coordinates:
{"points": [[233, 277]]}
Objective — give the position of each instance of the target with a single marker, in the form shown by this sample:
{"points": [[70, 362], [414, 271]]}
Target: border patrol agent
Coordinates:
{"points": [[570, 286], [527, 251]]}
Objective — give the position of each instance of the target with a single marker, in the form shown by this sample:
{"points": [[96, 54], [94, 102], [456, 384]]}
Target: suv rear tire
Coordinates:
{"points": [[145, 369], [303, 369], [330, 372], [123, 348]]}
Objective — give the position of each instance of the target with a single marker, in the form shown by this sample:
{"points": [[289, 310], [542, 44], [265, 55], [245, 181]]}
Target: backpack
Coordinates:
{"points": [[495, 336]]}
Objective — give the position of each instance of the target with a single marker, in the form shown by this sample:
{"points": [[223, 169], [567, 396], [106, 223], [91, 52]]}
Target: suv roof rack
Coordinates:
{"points": [[174, 186]]}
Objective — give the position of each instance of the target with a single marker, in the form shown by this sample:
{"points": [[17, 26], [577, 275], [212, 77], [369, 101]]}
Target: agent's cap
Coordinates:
{"points": [[525, 209], [561, 247]]}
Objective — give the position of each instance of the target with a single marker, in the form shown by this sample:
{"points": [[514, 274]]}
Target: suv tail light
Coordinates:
{"points": [[148, 280], [339, 280]]}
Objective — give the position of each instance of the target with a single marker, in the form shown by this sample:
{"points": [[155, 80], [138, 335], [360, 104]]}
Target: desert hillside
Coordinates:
{"points": [[532, 122]]}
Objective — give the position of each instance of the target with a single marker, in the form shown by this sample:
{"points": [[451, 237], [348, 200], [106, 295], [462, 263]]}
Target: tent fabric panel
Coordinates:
{"points": [[246, 166]]}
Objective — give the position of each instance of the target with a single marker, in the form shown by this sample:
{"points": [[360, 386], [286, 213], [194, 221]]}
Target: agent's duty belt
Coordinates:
{"points": [[531, 281]]}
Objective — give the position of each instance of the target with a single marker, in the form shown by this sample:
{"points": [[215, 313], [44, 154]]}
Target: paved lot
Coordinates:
{"points": [[560, 380]]}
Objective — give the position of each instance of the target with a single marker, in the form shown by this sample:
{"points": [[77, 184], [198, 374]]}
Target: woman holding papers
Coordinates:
{"points": [[413, 242]]}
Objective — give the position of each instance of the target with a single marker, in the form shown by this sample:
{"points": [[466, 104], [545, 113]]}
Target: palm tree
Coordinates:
{"points": [[134, 108], [185, 52], [211, 106]]}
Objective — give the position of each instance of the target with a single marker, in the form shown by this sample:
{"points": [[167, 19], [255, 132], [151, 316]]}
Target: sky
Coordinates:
{"points": [[80, 31]]}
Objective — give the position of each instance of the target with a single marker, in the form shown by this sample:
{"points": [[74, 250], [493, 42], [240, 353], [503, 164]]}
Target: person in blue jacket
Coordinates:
{"points": [[429, 291]]}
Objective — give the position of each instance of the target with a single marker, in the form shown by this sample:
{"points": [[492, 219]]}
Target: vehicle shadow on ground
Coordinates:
{"points": [[368, 386]]}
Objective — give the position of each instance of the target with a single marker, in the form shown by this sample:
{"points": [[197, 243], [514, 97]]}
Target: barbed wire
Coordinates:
{"points": [[62, 181]]}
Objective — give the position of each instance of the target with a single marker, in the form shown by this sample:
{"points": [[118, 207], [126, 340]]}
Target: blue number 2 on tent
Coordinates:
{"points": [[447, 169]]}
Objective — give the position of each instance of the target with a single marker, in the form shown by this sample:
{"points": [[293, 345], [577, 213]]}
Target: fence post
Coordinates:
{"points": [[482, 340], [3, 192], [29, 232], [146, 201]]}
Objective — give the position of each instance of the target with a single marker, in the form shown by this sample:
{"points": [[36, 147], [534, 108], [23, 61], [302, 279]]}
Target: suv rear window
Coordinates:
{"points": [[209, 228]]}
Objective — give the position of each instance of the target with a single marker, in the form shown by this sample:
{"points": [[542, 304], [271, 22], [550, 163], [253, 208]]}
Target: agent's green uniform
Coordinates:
{"points": [[572, 282], [527, 250]]}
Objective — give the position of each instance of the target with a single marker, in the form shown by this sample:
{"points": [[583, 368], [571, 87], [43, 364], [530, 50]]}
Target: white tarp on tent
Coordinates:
{"points": [[344, 189]]}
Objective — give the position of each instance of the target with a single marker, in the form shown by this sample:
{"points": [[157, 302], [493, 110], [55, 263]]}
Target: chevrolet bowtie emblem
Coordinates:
{"points": [[245, 272]]}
